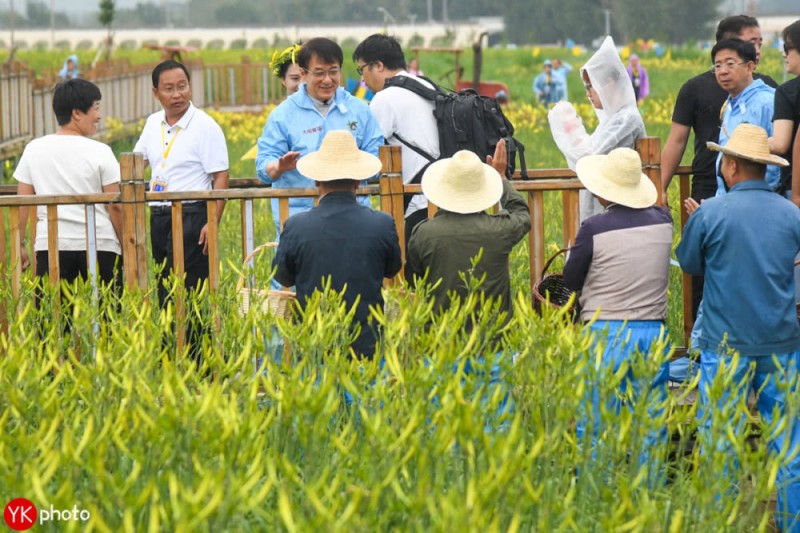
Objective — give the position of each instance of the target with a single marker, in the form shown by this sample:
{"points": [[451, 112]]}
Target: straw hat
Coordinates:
{"points": [[617, 177], [462, 183], [749, 142], [338, 158]]}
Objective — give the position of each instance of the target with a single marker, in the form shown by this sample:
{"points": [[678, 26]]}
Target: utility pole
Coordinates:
{"points": [[430, 11], [444, 12], [52, 24], [13, 22]]}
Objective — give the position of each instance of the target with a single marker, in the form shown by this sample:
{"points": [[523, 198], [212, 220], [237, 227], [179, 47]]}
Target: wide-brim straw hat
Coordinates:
{"points": [[338, 158], [749, 142], [618, 178], [462, 183]]}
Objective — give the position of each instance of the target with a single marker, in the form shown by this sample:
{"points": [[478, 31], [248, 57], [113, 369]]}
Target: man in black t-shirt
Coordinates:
{"points": [[698, 107]]}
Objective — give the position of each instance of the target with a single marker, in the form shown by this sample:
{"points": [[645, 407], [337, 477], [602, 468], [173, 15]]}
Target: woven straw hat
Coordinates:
{"points": [[338, 158], [749, 142], [462, 183], [617, 177]]}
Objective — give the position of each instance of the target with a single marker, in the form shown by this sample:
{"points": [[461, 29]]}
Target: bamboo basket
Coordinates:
{"points": [[278, 303]]}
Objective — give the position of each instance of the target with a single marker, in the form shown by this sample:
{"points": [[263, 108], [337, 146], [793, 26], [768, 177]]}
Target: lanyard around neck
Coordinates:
{"points": [[171, 142]]}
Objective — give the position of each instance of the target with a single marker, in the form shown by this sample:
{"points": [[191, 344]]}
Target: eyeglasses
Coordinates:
{"points": [[728, 65], [322, 74], [181, 88], [788, 48], [587, 86], [360, 69]]}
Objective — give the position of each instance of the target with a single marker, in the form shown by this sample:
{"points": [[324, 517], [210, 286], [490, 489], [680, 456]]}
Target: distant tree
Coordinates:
{"points": [[106, 18], [38, 16], [550, 21], [239, 12]]}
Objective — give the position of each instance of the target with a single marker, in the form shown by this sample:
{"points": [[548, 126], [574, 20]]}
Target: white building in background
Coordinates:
{"points": [[773, 15], [464, 34]]}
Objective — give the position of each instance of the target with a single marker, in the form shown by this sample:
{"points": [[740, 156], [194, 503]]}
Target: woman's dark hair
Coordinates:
{"points": [[326, 51], [791, 35], [73, 94], [744, 49], [164, 66]]}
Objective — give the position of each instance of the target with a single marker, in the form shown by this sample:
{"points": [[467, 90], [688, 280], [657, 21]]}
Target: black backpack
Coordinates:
{"points": [[466, 121]]}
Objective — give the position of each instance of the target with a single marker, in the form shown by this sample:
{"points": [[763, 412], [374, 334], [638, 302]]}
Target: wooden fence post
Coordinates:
{"points": [[536, 235], [391, 182], [247, 81], [140, 221], [649, 149], [178, 268], [128, 197]]}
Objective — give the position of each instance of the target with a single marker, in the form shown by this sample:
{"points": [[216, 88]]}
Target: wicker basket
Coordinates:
{"points": [[550, 289], [278, 303]]}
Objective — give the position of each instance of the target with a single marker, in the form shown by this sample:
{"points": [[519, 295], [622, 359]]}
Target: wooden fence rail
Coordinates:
{"points": [[134, 199], [26, 101]]}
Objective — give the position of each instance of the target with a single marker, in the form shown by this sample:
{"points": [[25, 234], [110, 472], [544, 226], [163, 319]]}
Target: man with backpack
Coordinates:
{"points": [[405, 118]]}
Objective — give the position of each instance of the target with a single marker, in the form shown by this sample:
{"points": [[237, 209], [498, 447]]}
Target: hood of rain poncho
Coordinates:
{"points": [[63, 71], [610, 79]]}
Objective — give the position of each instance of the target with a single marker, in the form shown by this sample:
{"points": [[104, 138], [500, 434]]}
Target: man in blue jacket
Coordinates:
{"points": [[744, 243], [297, 126], [749, 100]]}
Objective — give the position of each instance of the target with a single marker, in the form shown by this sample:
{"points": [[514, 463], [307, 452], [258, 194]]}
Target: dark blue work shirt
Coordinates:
{"points": [[744, 243], [352, 244]]}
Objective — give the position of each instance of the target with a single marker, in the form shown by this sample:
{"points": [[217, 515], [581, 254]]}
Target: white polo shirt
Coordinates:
{"points": [[67, 165], [401, 111], [183, 156]]}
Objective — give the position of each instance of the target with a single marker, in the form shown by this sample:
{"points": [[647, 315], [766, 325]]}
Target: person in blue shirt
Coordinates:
{"points": [[548, 86], [744, 243], [562, 68], [297, 126], [749, 100], [70, 68]]}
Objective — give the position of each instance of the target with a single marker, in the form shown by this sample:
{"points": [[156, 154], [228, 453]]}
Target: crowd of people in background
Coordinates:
{"points": [[742, 235]]}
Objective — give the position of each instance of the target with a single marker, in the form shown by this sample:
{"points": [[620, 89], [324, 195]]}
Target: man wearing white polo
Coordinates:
{"points": [[186, 150]]}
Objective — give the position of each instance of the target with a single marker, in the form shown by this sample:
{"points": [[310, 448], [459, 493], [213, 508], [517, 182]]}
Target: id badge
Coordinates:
{"points": [[159, 185]]}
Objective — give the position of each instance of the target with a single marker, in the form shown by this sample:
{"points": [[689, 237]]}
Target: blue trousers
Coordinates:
{"points": [[620, 341], [773, 379]]}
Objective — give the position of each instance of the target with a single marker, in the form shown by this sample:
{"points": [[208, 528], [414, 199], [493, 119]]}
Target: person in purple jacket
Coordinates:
{"points": [[638, 75]]}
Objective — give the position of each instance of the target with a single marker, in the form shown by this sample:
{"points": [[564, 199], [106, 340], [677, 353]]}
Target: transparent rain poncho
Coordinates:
{"points": [[619, 122]]}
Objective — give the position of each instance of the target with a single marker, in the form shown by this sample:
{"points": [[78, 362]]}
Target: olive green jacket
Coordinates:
{"points": [[446, 244]]}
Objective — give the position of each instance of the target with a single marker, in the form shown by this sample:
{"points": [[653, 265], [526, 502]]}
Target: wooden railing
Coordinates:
{"points": [[243, 84], [26, 101], [134, 199]]}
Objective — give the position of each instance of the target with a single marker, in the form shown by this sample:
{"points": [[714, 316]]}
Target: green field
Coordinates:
{"points": [[109, 419]]}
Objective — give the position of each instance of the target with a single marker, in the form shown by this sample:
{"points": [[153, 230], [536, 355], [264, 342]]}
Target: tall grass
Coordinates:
{"points": [[113, 421]]}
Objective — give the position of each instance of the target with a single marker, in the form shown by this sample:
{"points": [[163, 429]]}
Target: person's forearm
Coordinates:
{"points": [[273, 170], [23, 222], [221, 180], [670, 159], [115, 214]]}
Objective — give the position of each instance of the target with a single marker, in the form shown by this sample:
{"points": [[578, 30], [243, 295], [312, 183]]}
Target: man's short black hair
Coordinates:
{"points": [[383, 48], [731, 27], [73, 94], [744, 49], [327, 51], [164, 66], [791, 35]]}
